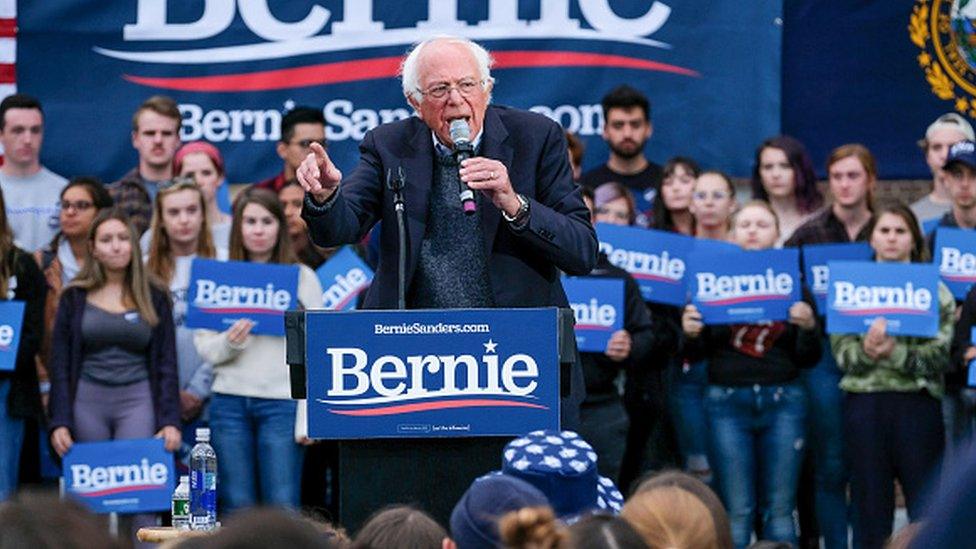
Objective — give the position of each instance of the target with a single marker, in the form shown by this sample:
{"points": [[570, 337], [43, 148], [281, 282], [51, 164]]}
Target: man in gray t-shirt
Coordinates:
{"points": [[945, 131], [31, 192]]}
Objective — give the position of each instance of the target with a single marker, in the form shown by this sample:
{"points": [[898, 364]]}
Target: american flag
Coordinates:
{"points": [[8, 50]]}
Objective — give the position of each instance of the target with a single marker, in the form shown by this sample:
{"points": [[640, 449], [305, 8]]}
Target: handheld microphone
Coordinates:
{"points": [[463, 150]]}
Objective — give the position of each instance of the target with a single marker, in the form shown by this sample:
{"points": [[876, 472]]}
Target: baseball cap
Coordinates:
{"points": [[951, 121], [963, 152]]}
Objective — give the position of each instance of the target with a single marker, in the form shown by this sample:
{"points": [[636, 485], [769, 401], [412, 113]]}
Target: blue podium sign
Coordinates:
{"points": [[816, 271], [744, 286], [221, 292], [905, 294], [120, 476], [468, 372], [344, 277], [955, 254], [11, 322], [656, 259], [598, 305]]}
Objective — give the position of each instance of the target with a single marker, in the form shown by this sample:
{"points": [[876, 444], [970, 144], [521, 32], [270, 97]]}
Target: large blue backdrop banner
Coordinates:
{"points": [[235, 66]]}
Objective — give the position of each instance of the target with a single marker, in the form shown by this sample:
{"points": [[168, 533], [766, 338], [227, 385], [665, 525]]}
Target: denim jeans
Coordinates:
{"points": [[11, 440], [826, 440], [688, 409], [959, 415], [258, 460], [757, 443]]}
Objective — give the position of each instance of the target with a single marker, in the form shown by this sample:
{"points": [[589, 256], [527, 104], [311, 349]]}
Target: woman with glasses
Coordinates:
{"points": [[180, 232], [712, 204], [754, 403], [892, 413], [256, 425], [64, 256], [20, 280], [783, 176]]}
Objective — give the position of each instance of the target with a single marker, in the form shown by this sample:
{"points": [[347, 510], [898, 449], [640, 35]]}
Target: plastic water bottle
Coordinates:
{"points": [[181, 504], [203, 483]]}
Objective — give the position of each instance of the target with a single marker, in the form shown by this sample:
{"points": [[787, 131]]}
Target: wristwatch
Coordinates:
{"points": [[521, 215]]}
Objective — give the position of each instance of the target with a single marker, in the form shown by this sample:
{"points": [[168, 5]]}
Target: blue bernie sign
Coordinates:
{"points": [[955, 254], [905, 294], [656, 259], [221, 292], [456, 373], [816, 271], [344, 277], [744, 286], [120, 476], [598, 305], [11, 322]]}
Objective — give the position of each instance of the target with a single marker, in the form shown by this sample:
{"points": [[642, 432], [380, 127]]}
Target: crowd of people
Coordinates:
{"points": [[780, 419]]}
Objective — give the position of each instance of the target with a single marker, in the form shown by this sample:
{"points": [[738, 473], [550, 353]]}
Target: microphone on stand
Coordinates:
{"points": [[463, 150]]}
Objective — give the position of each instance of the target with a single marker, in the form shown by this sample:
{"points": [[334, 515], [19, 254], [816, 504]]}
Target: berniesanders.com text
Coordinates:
{"points": [[418, 328]]}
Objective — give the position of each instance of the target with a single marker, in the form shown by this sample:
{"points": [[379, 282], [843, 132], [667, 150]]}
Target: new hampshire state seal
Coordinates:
{"points": [[945, 32]]}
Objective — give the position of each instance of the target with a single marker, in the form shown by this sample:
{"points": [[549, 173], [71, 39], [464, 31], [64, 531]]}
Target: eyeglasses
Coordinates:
{"points": [[77, 205], [714, 195], [465, 87], [307, 143]]}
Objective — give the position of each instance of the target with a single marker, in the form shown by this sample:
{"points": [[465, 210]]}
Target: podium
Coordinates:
{"points": [[422, 402]]}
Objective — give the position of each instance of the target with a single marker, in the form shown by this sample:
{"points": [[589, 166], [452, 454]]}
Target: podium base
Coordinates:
{"points": [[430, 474]]}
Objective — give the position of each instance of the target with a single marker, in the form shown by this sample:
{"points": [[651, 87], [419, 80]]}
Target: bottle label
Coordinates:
{"points": [[210, 481], [181, 508]]}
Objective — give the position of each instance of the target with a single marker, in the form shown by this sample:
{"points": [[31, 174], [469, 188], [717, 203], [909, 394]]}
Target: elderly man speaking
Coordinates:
{"points": [[529, 221]]}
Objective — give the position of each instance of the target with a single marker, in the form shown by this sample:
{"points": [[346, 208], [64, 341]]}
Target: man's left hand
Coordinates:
{"points": [[618, 348], [491, 177]]}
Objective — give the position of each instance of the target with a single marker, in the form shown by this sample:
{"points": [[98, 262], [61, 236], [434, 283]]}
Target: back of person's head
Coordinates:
{"points": [[262, 528], [45, 522], [400, 526], [474, 520], [626, 97], [670, 516], [18, 101], [299, 115], [532, 528], [680, 484], [602, 531]]}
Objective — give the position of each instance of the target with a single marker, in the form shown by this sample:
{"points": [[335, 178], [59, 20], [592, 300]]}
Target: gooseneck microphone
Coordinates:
{"points": [[463, 149]]}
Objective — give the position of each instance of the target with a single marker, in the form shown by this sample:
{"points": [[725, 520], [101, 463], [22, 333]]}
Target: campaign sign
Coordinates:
{"points": [[656, 259], [815, 258], [971, 378], [598, 304], [11, 321], [455, 373], [905, 294], [955, 254], [120, 476], [344, 276], [744, 286], [221, 292]]}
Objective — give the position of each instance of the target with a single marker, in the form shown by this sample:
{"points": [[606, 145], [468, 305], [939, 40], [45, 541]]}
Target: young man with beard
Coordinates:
{"points": [[626, 129]]}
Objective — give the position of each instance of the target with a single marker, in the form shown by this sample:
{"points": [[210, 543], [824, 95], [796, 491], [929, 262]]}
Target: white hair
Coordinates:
{"points": [[408, 69]]}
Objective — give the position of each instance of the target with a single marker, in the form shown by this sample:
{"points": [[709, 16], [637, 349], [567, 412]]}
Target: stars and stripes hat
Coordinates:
{"points": [[563, 466]]}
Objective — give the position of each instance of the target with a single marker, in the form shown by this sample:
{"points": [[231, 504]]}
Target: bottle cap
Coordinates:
{"points": [[203, 434], [184, 478]]}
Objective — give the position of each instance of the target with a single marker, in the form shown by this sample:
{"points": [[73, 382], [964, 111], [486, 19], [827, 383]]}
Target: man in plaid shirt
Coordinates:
{"points": [[156, 136]]}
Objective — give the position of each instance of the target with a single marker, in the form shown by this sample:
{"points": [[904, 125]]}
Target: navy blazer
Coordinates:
{"points": [[524, 265], [66, 360]]}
